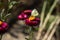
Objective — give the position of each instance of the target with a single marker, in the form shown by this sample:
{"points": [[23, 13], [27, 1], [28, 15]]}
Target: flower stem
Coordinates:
{"points": [[0, 36], [31, 34]]}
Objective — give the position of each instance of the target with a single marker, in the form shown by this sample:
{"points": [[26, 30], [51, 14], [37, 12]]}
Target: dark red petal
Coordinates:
{"points": [[28, 12], [37, 19], [4, 25]]}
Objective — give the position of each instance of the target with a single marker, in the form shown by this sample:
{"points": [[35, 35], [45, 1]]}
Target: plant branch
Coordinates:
{"points": [[46, 20], [49, 29], [42, 17], [54, 29]]}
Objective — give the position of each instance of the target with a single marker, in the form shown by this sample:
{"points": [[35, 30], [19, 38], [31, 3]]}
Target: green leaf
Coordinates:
{"points": [[12, 3]]}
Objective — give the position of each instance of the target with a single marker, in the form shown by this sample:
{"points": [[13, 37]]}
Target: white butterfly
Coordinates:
{"points": [[34, 13]]}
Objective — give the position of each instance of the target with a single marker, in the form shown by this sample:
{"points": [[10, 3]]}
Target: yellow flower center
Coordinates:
{"points": [[31, 17], [1, 22]]}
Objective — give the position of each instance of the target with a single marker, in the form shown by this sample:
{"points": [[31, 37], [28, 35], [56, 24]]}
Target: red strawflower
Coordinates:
{"points": [[3, 26], [33, 22], [24, 15]]}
